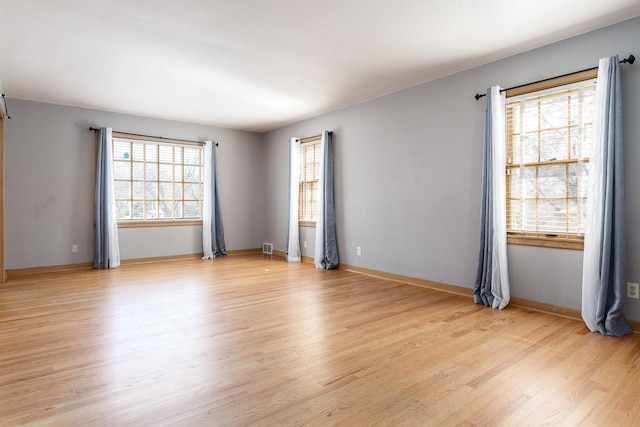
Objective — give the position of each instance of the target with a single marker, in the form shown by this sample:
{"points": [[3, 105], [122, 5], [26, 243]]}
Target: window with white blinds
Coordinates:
{"points": [[157, 181], [309, 172], [548, 144]]}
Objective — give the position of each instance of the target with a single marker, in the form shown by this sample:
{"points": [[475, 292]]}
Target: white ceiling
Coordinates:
{"points": [[258, 64]]}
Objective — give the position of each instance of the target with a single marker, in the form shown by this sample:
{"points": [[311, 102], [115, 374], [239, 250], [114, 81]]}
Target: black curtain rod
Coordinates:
{"points": [[150, 136], [631, 59], [6, 110], [315, 136]]}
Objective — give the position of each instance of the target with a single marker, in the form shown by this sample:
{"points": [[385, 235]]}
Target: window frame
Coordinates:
{"points": [[162, 222], [310, 141], [558, 241]]}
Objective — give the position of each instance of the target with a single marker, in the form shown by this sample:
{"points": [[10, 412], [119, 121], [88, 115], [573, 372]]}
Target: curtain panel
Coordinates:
{"points": [[492, 278], [106, 252], [212, 230], [326, 249], [604, 264], [293, 234]]}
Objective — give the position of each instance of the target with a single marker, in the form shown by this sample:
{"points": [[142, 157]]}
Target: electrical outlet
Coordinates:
{"points": [[633, 290], [304, 243], [74, 249], [359, 251]]}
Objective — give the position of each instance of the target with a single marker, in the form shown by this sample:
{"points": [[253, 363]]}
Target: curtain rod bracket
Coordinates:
{"points": [[630, 60]]}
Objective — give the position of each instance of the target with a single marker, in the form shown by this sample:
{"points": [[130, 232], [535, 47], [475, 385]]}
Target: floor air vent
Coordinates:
{"points": [[267, 248]]}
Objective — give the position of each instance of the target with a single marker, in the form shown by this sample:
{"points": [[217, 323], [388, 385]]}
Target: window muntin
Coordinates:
{"points": [[309, 173], [157, 181], [548, 143]]}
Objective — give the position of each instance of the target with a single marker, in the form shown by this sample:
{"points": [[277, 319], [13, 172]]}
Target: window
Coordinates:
{"points": [[309, 171], [548, 141], [157, 181]]}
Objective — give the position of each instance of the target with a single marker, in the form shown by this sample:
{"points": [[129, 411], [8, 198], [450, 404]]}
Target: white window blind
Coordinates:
{"points": [[157, 181], [548, 143], [309, 171]]}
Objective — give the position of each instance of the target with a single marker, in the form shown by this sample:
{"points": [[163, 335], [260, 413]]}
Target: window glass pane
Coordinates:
{"points": [[151, 209], [121, 150], [513, 135], [123, 209], [553, 112], [573, 216], [515, 218], [584, 177], [121, 170], [138, 152], [530, 147], [574, 108], [178, 191], [530, 117], [191, 156], [138, 210], [178, 172], [192, 192], [138, 171], [152, 171], [310, 171], [552, 181], [151, 190], [177, 207], [191, 209], [192, 174], [586, 141], [530, 216], [573, 180], [166, 154], [166, 172], [166, 191], [516, 152], [138, 190], [166, 209], [553, 145], [575, 146], [123, 189], [529, 182], [515, 183], [588, 103], [151, 153], [552, 215]]}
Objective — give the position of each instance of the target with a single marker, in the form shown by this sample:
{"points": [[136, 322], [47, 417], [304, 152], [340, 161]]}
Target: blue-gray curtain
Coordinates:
{"points": [[212, 230], [492, 278], [106, 252], [604, 265], [326, 249]]}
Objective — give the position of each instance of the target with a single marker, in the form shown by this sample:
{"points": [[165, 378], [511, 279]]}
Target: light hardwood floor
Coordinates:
{"points": [[247, 340]]}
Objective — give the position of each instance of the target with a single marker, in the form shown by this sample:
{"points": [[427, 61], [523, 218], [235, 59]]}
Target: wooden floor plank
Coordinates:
{"points": [[251, 340]]}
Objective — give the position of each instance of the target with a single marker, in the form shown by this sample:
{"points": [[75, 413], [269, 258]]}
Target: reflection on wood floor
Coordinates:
{"points": [[249, 340]]}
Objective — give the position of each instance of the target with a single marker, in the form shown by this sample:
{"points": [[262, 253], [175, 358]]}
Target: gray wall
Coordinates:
{"points": [[49, 176], [408, 171]]}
